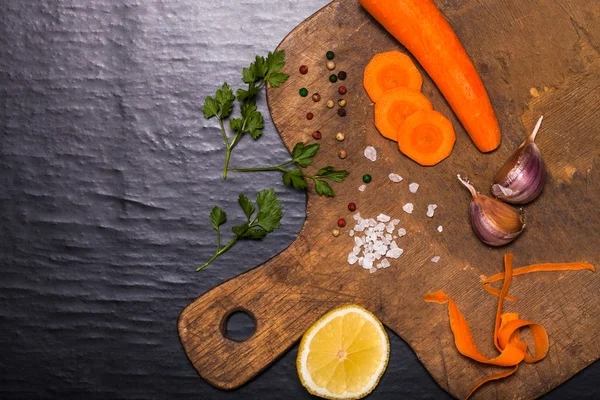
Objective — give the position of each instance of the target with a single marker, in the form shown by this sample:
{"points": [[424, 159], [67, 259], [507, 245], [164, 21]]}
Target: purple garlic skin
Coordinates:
{"points": [[494, 222], [523, 176]]}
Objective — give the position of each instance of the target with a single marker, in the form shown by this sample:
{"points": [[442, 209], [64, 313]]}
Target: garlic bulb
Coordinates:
{"points": [[494, 222], [523, 176]]}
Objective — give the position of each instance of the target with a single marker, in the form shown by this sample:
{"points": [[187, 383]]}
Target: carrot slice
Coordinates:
{"points": [[426, 137], [390, 70], [395, 106]]}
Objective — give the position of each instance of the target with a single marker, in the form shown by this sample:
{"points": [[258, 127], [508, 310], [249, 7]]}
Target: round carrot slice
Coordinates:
{"points": [[395, 106], [426, 137], [388, 71]]}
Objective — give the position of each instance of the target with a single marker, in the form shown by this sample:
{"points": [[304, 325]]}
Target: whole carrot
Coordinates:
{"points": [[423, 30]]}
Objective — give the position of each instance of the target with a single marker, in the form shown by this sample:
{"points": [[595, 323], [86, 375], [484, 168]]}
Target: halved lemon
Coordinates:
{"points": [[344, 354]]}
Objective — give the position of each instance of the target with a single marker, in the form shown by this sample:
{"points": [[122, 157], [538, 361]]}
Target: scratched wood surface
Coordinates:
{"points": [[535, 57]]}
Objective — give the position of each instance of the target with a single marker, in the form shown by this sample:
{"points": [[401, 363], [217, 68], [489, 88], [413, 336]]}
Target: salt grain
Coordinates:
{"points": [[401, 232], [371, 153], [435, 259], [440, 228], [395, 177], [408, 208], [383, 218], [362, 188], [431, 209], [352, 259], [413, 187], [351, 232]]}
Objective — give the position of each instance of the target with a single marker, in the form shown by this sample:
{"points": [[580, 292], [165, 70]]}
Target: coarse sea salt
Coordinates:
{"points": [[431, 210], [371, 153], [440, 228], [362, 188], [413, 187], [395, 177], [435, 259], [408, 208], [401, 232], [375, 245]]}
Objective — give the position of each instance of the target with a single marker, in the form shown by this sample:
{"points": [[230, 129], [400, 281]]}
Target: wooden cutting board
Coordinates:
{"points": [[535, 57]]}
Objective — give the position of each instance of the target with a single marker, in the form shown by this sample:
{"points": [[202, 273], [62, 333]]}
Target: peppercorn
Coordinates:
{"points": [[333, 78], [316, 97], [317, 135], [303, 92], [335, 232], [330, 65], [342, 75], [341, 222], [330, 103], [309, 116], [342, 154], [303, 69], [330, 54], [340, 136], [342, 102], [351, 207], [366, 178], [342, 89], [342, 112]]}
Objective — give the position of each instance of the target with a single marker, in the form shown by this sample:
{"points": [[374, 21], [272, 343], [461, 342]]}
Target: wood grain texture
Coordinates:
{"points": [[537, 57]]}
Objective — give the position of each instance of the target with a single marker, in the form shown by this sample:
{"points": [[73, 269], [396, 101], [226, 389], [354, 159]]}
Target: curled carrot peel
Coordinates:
{"points": [[576, 266], [507, 328]]}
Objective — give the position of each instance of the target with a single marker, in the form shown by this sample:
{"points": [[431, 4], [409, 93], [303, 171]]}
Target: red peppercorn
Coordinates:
{"points": [[303, 69], [341, 222], [352, 207], [316, 135], [309, 116], [342, 90]]}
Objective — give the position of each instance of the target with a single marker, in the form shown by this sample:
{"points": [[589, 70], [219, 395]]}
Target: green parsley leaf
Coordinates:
{"points": [[235, 124], [259, 67], [217, 217], [225, 98], [253, 119], [246, 205], [247, 94], [239, 230], [254, 233], [248, 75], [294, 177], [269, 210], [324, 171], [210, 107], [303, 154], [323, 188], [277, 78], [332, 174], [275, 61]]}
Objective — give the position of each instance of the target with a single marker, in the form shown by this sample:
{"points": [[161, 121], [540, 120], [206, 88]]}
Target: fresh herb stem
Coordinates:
{"points": [[218, 253]]}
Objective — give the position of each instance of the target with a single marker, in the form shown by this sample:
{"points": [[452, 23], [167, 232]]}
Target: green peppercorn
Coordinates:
{"points": [[303, 92], [366, 178], [330, 54], [333, 78]]}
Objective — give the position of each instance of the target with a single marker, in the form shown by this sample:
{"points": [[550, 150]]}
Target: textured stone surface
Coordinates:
{"points": [[107, 175]]}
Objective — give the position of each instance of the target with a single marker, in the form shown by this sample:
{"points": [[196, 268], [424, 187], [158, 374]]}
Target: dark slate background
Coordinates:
{"points": [[107, 175]]}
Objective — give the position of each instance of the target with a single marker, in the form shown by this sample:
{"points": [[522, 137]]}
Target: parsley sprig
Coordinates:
{"points": [[302, 157], [260, 72], [257, 225]]}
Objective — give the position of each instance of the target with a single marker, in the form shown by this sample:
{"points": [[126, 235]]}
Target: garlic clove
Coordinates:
{"points": [[494, 222], [523, 176]]}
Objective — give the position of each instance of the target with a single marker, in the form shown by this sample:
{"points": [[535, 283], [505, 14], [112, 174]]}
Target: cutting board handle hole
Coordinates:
{"points": [[238, 325]]}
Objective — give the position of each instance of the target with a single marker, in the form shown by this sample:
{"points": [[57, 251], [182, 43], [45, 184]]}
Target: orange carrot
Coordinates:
{"points": [[507, 325], [394, 106], [423, 30], [576, 266], [426, 137], [390, 70]]}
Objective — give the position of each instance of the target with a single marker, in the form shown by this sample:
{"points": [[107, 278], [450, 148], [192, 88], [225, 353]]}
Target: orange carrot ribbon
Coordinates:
{"points": [[507, 325]]}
